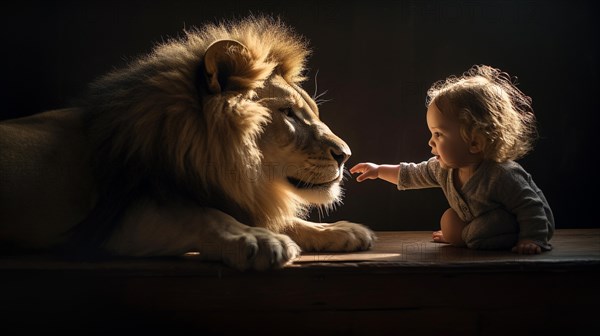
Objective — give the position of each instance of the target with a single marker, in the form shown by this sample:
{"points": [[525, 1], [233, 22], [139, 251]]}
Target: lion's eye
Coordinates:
{"points": [[288, 112]]}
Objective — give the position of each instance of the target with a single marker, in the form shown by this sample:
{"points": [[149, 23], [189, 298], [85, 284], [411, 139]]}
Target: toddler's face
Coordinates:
{"points": [[446, 142]]}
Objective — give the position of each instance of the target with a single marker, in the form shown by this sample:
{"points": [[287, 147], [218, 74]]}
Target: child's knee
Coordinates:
{"points": [[450, 217], [452, 227]]}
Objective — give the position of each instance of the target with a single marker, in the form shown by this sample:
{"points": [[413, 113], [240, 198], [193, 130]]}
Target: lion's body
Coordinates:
{"points": [[45, 178], [208, 144]]}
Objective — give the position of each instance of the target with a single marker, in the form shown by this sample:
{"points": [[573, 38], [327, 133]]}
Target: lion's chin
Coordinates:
{"points": [[316, 193], [303, 185]]}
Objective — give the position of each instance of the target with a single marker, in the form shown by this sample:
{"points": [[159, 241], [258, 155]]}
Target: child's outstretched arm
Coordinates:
{"points": [[371, 171]]}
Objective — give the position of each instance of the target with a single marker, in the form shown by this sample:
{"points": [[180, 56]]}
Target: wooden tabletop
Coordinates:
{"points": [[394, 251], [417, 249]]}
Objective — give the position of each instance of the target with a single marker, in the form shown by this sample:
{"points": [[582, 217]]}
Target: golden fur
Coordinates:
{"points": [[212, 130]]}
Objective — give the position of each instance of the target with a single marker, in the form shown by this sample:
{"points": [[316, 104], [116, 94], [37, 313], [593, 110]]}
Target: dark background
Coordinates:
{"points": [[376, 59]]}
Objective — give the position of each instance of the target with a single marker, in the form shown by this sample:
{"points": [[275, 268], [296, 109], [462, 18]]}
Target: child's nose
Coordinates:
{"points": [[431, 143]]}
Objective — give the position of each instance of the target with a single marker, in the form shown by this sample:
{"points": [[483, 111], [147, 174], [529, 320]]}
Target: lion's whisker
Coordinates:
{"points": [[317, 97]]}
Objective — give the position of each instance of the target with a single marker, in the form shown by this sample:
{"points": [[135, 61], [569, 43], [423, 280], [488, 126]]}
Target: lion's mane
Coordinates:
{"points": [[158, 133]]}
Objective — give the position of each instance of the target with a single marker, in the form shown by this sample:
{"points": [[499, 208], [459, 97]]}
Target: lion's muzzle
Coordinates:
{"points": [[339, 151]]}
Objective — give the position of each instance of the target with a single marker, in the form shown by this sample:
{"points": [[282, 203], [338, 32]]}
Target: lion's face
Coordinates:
{"points": [[299, 151], [266, 131]]}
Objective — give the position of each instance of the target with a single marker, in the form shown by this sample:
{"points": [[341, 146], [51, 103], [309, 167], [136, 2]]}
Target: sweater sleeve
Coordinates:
{"points": [[525, 200], [419, 175]]}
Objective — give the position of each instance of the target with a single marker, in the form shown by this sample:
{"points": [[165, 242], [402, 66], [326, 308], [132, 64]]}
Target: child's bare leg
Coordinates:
{"points": [[452, 227]]}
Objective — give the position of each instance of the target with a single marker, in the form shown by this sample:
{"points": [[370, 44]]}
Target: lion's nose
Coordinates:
{"points": [[340, 155]]}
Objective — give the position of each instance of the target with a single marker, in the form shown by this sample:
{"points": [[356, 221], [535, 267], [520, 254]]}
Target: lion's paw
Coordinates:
{"points": [[345, 236], [260, 249]]}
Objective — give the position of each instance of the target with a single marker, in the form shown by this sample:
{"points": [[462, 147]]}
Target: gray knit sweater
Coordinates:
{"points": [[494, 185]]}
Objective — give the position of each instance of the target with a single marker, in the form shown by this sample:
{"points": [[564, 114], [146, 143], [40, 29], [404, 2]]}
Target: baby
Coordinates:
{"points": [[480, 124]]}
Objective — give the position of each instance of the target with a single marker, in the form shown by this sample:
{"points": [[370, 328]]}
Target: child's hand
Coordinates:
{"points": [[367, 171], [526, 246]]}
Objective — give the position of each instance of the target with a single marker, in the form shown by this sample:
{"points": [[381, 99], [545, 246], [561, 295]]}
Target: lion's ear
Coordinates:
{"points": [[220, 62]]}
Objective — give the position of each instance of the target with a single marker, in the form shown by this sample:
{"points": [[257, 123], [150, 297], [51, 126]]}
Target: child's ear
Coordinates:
{"points": [[477, 144]]}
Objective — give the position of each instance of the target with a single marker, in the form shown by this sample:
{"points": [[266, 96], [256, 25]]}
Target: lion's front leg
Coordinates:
{"points": [[341, 236], [150, 230]]}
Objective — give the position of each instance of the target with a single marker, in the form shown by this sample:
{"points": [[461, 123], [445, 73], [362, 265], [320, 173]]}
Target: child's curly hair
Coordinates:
{"points": [[488, 103]]}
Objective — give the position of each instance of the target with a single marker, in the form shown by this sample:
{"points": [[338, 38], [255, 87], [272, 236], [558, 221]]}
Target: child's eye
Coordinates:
{"points": [[437, 134]]}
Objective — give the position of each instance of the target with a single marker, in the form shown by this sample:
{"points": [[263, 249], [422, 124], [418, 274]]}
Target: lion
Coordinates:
{"points": [[208, 144]]}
